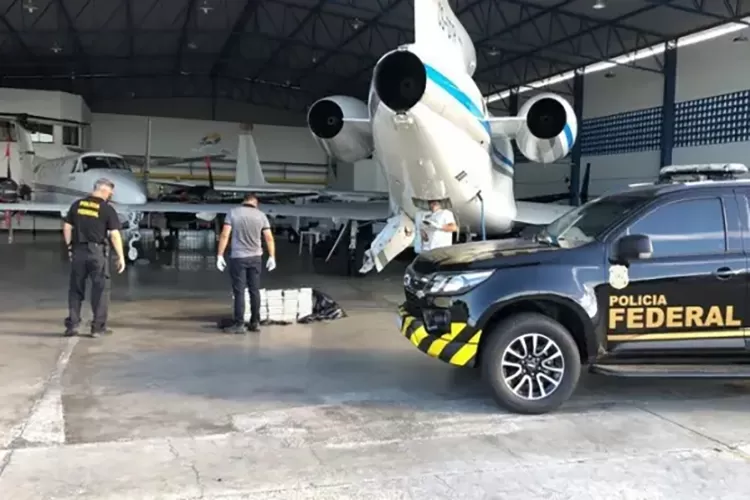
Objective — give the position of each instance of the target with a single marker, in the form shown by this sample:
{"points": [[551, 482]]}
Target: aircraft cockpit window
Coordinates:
{"points": [[103, 162]]}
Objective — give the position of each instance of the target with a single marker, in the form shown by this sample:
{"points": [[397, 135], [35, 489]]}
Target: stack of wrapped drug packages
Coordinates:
{"points": [[282, 306]]}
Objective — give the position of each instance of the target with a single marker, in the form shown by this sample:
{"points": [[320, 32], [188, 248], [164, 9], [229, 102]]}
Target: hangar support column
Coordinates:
{"points": [[575, 159], [513, 102], [667, 109]]}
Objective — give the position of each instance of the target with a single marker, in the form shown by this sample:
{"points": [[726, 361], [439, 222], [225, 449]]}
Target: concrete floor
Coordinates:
{"points": [[169, 408]]}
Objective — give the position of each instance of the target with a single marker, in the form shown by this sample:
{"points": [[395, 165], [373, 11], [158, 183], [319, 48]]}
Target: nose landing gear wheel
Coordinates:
{"points": [[134, 247], [133, 254]]}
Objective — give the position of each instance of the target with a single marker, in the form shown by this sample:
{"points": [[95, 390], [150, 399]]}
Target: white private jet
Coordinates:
{"points": [[431, 131], [428, 126]]}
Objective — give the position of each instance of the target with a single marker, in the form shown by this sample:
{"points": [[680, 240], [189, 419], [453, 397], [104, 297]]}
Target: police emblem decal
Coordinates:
{"points": [[618, 277]]}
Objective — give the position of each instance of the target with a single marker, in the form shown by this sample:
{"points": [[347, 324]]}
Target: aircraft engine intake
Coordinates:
{"points": [[9, 191], [549, 130], [344, 140], [400, 80]]}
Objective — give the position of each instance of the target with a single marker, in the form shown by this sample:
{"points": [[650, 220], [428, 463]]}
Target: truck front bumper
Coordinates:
{"points": [[457, 347]]}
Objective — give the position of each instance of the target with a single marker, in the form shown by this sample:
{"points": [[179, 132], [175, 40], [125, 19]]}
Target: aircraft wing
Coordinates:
{"points": [[356, 210], [303, 190], [140, 160], [267, 189], [175, 183], [30, 206], [539, 213]]}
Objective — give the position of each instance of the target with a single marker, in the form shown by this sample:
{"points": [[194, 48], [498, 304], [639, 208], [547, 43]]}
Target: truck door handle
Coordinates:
{"points": [[723, 273]]}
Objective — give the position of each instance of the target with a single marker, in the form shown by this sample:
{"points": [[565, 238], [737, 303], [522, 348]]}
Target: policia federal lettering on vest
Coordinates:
{"points": [[85, 231]]}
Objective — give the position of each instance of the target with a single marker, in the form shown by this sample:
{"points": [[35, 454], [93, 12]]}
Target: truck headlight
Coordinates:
{"points": [[456, 283]]}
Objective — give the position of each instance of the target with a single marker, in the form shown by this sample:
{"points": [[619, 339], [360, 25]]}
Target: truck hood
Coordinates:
{"points": [[484, 255]]}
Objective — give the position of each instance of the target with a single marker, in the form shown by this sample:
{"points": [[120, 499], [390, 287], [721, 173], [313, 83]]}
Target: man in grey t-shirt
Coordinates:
{"points": [[246, 224]]}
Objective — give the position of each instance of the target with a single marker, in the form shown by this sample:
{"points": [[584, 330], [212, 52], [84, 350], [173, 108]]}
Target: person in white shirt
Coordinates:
{"points": [[437, 227]]}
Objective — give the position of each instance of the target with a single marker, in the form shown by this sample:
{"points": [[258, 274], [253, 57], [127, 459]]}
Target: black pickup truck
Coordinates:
{"points": [[651, 281]]}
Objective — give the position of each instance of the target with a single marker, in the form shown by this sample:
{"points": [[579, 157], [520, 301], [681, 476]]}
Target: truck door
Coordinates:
{"points": [[743, 202], [690, 296]]}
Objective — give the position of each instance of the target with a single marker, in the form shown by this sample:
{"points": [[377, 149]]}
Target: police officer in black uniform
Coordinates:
{"points": [[85, 231]]}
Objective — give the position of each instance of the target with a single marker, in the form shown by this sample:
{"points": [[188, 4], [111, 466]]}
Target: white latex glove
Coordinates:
{"points": [[221, 264], [271, 264]]}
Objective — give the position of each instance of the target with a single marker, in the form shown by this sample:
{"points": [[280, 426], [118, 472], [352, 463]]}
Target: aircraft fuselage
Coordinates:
{"points": [[64, 180], [441, 149]]}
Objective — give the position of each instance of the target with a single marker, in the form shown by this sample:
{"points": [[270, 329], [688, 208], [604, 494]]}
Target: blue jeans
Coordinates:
{"points": [[245, 273]]}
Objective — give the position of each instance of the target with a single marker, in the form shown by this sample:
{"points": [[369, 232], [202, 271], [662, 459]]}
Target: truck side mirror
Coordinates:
{"points": [[633, 247]]}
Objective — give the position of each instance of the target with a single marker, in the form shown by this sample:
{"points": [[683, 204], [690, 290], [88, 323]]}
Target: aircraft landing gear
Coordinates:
{"points": [[133, 237], [393, 239]]}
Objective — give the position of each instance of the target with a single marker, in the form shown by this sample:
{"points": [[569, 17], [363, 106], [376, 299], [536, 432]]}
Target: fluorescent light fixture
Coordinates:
{"points": [[712, 33], [626, 59], [599, 4]]}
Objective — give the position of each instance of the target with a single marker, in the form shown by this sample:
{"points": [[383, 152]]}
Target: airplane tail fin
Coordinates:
{"points": [[248, 171], [26, 153], [437, 31]]}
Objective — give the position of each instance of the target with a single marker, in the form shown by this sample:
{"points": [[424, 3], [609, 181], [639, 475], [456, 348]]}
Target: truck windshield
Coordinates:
{"points": [[585, 223]]}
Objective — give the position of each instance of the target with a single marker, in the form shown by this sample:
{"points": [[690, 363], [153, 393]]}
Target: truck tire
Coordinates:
{"points": [[527, 381]]}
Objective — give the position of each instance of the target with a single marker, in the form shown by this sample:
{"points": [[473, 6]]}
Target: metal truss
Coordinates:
{"points": [[286, 53], [95, 88], [720, 10], [592, 40]]}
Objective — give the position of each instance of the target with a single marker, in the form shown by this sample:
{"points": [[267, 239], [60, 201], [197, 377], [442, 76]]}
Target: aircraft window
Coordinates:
{"points": [[41, 133], [687, 227], [71, 136], [103, 162], [6, 132]]}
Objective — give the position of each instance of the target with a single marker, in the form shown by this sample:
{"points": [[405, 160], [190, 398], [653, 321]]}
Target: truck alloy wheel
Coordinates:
{"points": [[533, 366], [531, 363]]}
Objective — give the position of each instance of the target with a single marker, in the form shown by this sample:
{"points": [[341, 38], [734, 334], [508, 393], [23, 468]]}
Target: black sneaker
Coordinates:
{"points": [[252, 327], [70, 331]]}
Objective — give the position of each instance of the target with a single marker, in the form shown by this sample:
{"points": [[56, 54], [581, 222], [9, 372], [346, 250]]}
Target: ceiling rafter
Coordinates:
{"points": [[549, 43], [517, 41], [16, 36], [368, 25], [190, 9], [131, 27], [72, 32], [311, 14], [235, 36]]}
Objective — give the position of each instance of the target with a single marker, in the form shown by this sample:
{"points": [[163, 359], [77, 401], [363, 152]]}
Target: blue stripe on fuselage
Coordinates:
{"points": [[444, 83]]}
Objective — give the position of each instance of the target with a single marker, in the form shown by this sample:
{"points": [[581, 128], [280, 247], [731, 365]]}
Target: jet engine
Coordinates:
{"points": [[400, 80], [345, 141], [549, 130]]}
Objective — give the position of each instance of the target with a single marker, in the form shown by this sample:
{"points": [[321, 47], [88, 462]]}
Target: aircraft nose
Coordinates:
{"points": [[128, 192]]}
